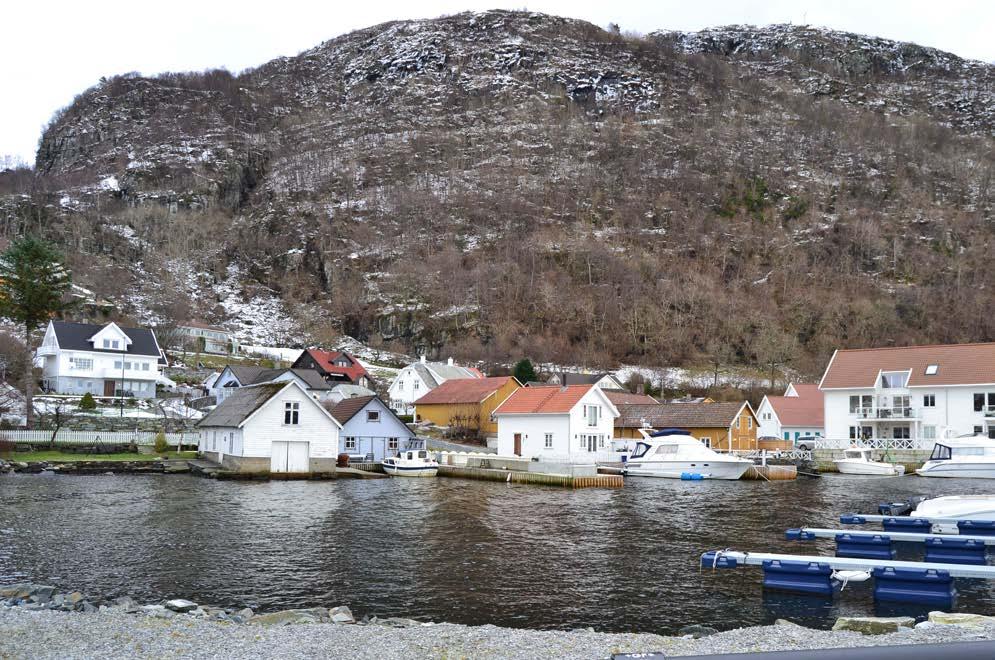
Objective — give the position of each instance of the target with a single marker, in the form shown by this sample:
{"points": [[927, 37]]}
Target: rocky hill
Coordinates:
{"points": [[509, 182]]}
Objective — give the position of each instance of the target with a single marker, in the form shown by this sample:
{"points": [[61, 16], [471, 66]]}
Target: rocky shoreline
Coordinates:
{"points": [[38, 621]]}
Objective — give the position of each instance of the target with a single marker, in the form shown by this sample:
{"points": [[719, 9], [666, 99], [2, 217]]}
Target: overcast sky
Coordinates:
{"points": [[53, 49]]}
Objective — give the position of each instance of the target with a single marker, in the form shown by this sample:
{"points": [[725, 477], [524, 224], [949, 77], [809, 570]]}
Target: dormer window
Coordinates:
{"points": [[894, 379], [932, 369]]}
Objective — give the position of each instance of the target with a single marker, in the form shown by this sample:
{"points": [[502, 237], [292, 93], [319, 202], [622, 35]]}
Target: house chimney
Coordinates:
{"points": [[423, 359], [450, 362]]}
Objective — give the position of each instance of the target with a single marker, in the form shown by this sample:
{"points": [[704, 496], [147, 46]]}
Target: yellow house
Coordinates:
{"points": [[722, 426], [466, 403]]}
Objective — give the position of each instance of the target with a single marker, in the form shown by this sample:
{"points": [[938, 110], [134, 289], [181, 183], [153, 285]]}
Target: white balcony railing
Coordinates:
{"points": [[888, 412], [875, 443]]}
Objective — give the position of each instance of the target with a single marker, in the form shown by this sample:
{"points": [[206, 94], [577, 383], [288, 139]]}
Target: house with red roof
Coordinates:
{"points": [[568, 423], [799, 413], [335, 367], [910, 396]]}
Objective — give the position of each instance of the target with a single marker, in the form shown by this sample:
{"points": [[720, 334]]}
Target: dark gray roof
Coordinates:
{"points": [[425, 374], [240, 404], [346, 409], [74, 336], [249, 375], [571, 378]]}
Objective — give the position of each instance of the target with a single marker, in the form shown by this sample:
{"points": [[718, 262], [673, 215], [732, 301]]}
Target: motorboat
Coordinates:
{"points": [[675, 454], [959, 507], [411, 461], [971, 457], [859, 460]]}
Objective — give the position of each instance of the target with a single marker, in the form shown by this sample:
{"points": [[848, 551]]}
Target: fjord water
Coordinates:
{"points": [[444, 549]]}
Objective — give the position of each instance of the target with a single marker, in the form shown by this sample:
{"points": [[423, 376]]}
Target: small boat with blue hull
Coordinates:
{"points": [[675, 454], [411, 461]]}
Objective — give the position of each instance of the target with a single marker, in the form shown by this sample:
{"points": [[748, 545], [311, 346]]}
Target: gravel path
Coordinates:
{"points": [[114, 634]]}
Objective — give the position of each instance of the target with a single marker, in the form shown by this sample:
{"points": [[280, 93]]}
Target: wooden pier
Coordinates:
{"points": [[532, 478]]}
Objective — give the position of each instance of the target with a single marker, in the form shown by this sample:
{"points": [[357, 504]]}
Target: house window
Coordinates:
{"points": [[81, 363], [117, 364], [291, 412], [979, 402], [107, 343], [416, 385], [707, 441], [929, 432], [749, 422], [900, 433], [548, 441], [591, 413], [392, 443], [932, 369], [373, 415], [601, 441], [854, 404], [583, 442], [145, 366], [895, 379], [928, 400], [350, 443]]}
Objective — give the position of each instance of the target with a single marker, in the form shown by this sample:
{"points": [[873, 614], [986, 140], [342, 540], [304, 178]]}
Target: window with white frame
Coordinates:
{"points": [[932, 369], [350, 443], [894, 379], [292, 413], [929, 432], [81, 363], [928, 400], [416, 386], [548, 441], [373, 415], [749, 422], [601, 441], [117, 364], [392, 443], [583, 442], [591, 413], [707, 441], [145, 366]]}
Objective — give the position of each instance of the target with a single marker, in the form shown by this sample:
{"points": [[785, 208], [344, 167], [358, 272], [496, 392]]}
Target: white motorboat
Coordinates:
{"points": [[859, 460], [674, 454], [411, 461], [971, 457], [960, 507]]}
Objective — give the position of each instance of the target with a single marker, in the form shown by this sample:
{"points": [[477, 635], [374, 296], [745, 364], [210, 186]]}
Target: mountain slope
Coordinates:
{"points": [[510, 182]]}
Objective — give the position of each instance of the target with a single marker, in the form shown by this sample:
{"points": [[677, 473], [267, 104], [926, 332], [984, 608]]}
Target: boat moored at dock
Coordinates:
{"points": [[970, 457], [674, 454], [859, 460], [411, 461]]}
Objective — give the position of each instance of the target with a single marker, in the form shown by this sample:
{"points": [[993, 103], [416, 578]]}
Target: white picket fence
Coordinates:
{"points": [[70, 437], [874, 443]]}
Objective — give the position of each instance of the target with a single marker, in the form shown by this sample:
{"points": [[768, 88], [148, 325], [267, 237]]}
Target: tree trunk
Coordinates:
{"points": [[29, 381]]}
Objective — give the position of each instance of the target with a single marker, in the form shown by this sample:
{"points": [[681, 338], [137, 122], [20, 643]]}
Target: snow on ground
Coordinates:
{"points": [[273, 352]]}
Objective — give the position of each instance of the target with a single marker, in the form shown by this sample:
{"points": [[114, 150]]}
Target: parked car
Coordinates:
{"points": [[805, 443]]}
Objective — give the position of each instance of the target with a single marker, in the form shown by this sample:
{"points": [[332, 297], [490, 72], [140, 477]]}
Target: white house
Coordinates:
{"points": [[271, 427], [419, 378], [797, 414], [557, 423], [605, 381], [915, 393], [197, 336], [104, 360], [235, 376]]}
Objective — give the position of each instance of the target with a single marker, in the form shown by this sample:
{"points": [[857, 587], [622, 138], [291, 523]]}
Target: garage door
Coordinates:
{"points": [[290, 457]]}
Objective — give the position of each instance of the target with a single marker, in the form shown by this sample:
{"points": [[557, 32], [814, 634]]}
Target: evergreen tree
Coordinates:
{"points": [[87, 402], [524, 371], [33, 285]]}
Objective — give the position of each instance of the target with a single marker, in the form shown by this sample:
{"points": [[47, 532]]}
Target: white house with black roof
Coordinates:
{"points": [[104, 360]]}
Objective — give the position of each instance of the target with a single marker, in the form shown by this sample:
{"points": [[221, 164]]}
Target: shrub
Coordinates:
{"points": [[87, 402], [407, 419], [161, 446], [7, 447]]}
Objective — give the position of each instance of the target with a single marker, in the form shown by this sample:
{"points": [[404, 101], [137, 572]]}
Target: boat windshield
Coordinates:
{"points": [[940, 453], [423, 454], [666, 449], [640, 450]]}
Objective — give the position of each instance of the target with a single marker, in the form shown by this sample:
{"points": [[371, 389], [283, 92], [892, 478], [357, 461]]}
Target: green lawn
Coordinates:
{"points": [[61, 456]]}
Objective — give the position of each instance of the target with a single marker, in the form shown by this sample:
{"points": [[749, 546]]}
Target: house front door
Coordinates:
{"points": [[518, 444], [108, 388], [592, 443]]}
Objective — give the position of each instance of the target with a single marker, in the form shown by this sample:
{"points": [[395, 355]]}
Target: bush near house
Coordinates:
{"points": [[87, 402], [161, 446]]}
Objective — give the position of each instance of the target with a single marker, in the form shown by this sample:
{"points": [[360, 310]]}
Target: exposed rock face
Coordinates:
{"points": [[511, 182], [872, 625]]}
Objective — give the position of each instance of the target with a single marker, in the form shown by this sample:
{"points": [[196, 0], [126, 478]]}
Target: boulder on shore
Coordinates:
{"points": [[287, 617], [874, 625], [341, 614], [181, 605], [961, 619]]}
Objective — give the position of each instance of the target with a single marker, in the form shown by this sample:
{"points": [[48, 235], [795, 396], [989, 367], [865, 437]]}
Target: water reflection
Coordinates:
{"points": [[442, 549]]}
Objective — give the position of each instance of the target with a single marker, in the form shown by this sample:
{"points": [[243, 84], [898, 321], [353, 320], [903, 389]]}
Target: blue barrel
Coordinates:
{"points": [[910, 585], [864, 546], [798, 577], [691, 476]]}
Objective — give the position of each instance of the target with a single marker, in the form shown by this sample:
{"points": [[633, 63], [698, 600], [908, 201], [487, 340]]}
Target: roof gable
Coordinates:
{"points": [[805, 408], [244, 403], [76, 337], [956, 364], [325, 360]]}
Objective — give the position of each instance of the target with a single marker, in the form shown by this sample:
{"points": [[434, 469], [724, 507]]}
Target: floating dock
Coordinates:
{"points": [[771, 473], [930, 583], [940, 548], [533, 478]]}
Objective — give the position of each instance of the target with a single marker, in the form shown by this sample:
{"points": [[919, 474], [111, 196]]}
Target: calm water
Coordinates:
{"points": [[441, 549]]}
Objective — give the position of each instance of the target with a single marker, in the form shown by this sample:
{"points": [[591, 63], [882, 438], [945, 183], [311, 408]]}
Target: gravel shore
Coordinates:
{"points": [[110, 633]]}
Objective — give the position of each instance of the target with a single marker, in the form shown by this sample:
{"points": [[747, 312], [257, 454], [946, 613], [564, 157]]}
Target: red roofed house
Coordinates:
{"points": [[334, 367], [466, 404], [912, 395], [562, 423], [797, 414]]}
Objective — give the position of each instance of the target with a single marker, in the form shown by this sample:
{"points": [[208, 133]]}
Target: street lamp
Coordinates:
{"points": [[124, 352]]}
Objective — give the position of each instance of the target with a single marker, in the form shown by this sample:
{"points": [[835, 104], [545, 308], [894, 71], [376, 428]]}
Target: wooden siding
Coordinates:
{"points": [[478, 415], [743, 433]]}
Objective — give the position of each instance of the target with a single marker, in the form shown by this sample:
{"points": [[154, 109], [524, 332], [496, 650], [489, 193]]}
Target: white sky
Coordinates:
{"points": [[53, 49]]}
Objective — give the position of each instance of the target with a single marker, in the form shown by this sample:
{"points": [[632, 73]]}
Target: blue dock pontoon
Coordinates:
{"points": [[940, 548], [929, 583]]}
